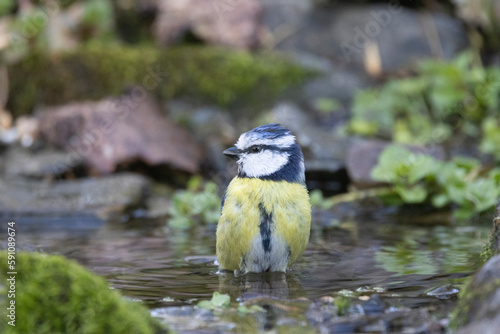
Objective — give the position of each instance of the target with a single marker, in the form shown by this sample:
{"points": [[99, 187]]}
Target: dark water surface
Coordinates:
{"points": [[161, 267]]}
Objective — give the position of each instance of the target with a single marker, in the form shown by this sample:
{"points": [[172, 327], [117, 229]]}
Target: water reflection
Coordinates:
{"points": [[165, 267], [274, 285]]}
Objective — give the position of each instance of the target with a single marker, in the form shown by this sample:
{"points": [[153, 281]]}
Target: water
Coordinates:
{"points": [[161, 267]]}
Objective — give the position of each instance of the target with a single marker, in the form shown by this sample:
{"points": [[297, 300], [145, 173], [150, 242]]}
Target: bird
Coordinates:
{"points": [[265, 217]]}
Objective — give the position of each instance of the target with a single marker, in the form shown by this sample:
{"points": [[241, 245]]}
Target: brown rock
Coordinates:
{"points": [[122, 130], [221, 22], [363, 156]]}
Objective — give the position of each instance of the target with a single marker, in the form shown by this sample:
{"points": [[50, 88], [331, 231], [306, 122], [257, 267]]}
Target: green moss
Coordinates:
{"points": [[460, 315], [214, 75], [56, 295], [342, 303], [470, 299], [493, 246]]}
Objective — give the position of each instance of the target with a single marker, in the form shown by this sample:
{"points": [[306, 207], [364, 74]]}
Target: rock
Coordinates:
{"points": [[102, 196], [380, 38], [487, 326], [192, 320], [324, 151], [479, 13], [411, 320], [363, 156], [283, 18], [61, 296], [215, 128], [478, 308], [340, 83], [317, 144], [115, 131], [284, 22], [493, 246], [40, 164], [374, 305], [26, 131], [446, 291], [221, 22]]}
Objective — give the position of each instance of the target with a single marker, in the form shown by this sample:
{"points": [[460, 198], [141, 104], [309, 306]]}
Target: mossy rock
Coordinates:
{"points": [[492, 248], [56, 295], [211, 75], [480, 297]]}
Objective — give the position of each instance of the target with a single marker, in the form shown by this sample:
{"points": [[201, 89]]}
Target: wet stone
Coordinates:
{"points": [[341, 326], [39, 164], [444, 292], [181, 311], [188, 319], [374, 305], [321, 312], [204, 315], [102, 196]]}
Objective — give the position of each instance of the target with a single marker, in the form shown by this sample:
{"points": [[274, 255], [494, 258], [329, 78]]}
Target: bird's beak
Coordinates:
{"points": [[233, 153]]}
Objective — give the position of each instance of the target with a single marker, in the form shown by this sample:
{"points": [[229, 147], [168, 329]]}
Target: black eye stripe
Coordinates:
{"points": [[265, 147], [254, 149]]}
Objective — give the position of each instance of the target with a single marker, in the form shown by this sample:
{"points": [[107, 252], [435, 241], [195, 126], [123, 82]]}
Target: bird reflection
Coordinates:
{"points": [[275, 285]]}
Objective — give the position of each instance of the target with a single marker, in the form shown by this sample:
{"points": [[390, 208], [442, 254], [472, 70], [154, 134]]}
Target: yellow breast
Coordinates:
{"points": [[240, 244]]}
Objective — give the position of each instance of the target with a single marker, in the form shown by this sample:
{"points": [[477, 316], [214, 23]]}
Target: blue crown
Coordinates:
{"points": [[269, 131]]}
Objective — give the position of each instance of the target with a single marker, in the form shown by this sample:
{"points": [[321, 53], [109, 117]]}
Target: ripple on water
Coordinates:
{"points": [[398, 261]]}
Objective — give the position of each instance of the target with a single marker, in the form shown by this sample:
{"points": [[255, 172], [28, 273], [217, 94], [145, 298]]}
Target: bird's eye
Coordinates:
{"points": [[255, 149]]}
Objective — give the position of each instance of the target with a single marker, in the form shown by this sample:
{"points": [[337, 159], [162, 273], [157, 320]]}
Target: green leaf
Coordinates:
{"points": [[440, 200], [490, 143], [199, 203], [206, 304], [414, 194], [482, 193], [220, 300], [391, 164], [422, 166]]}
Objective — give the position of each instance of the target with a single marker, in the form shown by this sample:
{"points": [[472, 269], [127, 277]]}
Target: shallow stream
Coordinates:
{"points": [[402, 262]]}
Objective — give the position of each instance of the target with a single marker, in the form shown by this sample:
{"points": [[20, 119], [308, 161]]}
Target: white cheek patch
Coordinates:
{"points": [[263, 163]]}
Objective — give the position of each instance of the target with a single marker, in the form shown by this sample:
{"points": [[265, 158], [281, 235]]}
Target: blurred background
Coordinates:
{"points": [[114, 116]]}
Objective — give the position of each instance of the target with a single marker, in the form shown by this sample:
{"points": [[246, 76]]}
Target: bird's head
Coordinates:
{"points": [[268, 152]]}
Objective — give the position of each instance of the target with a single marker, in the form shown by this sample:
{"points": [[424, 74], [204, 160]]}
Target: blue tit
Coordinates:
{"points": [[265, 215]]}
